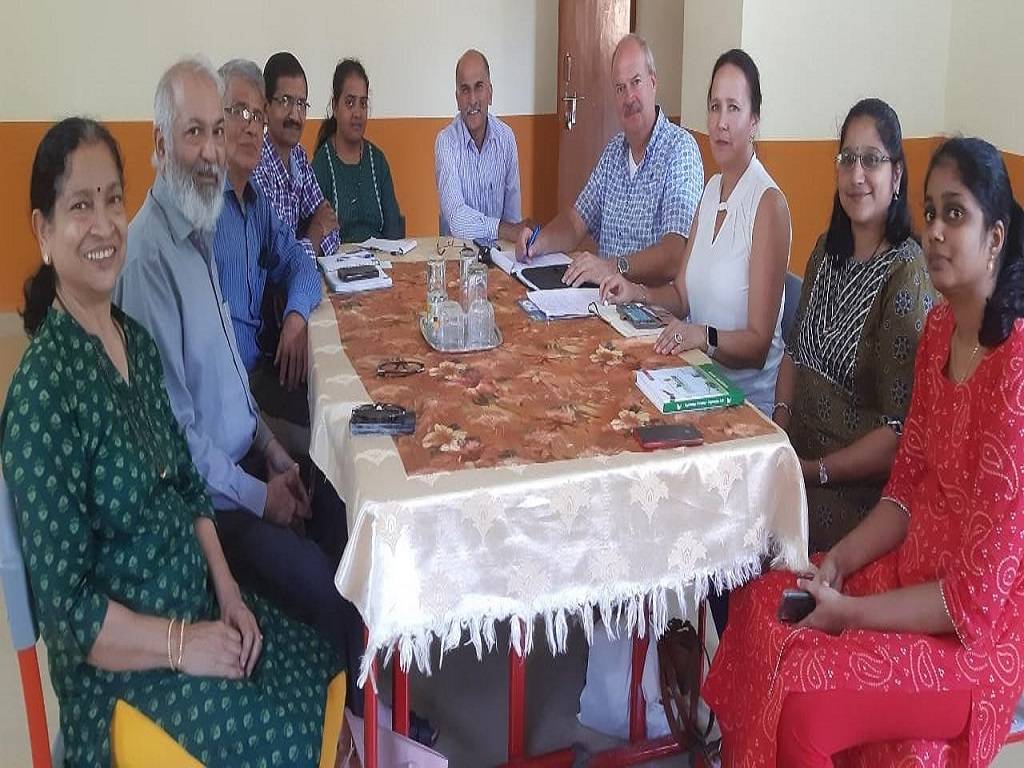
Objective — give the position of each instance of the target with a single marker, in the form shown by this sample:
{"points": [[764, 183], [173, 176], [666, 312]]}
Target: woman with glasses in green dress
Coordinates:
{"points": [[844, 383]]}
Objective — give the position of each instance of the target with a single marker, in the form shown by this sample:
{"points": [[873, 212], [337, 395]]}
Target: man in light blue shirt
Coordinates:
{"points": [[641, 198], [476, 163], [170, 284]]}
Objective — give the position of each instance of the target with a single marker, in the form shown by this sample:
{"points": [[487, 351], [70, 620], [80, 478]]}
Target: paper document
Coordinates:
{"points": [[394, 247], [565, 302], [340, 259]]}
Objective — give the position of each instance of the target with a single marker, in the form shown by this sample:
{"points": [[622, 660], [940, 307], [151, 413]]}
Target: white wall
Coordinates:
{"points": [[818, 57], [660, 22], [985, 88], [709, 28], [104, 59]]}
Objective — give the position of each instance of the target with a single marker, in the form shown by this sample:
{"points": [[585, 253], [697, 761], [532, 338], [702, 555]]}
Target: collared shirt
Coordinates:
{"points": [[625, 214], [250, 245], [170, 285], [293, 192], [478, 188]]}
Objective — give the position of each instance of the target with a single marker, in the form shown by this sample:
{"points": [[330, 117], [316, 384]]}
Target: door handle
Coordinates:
{"points": [[570, 109]]}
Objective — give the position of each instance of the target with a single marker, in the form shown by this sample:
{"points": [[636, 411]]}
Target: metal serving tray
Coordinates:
{"points": [[429, 337]]}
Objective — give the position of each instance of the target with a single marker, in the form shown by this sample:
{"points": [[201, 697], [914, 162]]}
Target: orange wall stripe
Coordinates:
{"points": [[804, 170]]}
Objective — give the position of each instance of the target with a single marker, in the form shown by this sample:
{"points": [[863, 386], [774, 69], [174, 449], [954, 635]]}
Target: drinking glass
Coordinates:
{"points": [[480, 324], [453, 326]]}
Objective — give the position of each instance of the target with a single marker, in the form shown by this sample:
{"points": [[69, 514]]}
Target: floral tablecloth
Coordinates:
{"points": [[523, 492]]}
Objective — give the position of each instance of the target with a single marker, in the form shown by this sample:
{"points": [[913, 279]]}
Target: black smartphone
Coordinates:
{"points": [[795, 606], [668, 436], [361, 272]]}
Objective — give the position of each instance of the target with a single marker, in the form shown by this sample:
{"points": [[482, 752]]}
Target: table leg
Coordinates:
{"points": [[370, 713], [516, 703], [399, 697], [637, 705]]}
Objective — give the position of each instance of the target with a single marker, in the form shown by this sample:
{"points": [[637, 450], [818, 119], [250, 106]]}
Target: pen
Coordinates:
{"points": [[532, 240]]}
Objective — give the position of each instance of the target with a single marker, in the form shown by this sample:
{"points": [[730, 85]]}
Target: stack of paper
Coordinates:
{"points": [[330, 265], [393, 247], [564, 302]]}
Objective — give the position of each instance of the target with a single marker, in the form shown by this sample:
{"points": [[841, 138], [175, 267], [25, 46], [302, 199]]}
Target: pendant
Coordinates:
{"points": [[163, 473]]}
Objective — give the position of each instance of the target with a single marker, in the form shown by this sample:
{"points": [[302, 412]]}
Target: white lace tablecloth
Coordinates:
{"points": [[444, 556]]}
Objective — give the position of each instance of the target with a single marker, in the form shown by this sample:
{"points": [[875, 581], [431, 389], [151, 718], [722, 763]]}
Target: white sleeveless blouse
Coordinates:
{"points": [[718, 274]]}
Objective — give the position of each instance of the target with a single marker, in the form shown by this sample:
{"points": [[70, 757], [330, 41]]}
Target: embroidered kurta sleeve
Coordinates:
{"points": [[394, 227], [47, 470], [909, 464], [988, 568], [906, 299]]}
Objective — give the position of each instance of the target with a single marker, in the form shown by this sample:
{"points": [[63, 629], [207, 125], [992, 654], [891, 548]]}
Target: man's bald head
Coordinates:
{"points": [[472, 56]]}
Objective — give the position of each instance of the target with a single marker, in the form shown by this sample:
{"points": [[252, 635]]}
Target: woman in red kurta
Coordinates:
{"points": [[914, 655]]}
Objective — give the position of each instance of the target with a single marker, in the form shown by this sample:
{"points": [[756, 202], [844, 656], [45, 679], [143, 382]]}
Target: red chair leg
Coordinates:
{"points": [[35, 707], [370, 714]]}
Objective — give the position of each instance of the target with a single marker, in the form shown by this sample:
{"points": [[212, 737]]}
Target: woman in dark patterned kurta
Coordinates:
{"points": [[844, 383], [914, 653], [115, 524]]}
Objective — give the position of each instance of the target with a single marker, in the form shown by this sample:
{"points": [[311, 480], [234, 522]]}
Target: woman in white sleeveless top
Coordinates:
{"points": [[730, 283]]}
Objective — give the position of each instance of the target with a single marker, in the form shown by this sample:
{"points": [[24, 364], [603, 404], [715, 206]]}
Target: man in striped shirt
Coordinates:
{"points": [[476, 162]]}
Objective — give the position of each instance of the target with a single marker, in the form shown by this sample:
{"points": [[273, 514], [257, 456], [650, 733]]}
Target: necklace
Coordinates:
{"points": [[965, 370], [127, 399]]}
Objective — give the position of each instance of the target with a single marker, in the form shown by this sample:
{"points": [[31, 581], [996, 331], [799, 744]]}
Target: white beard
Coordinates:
{"points": [[201, 206]]}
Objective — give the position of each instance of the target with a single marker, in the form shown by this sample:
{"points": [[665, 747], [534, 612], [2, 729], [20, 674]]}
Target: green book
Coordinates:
{"points": [[688, 388]]}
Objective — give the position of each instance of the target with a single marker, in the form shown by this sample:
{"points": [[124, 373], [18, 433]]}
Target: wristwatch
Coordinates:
{"points": [[623, 264], [822, 473], [712, 334]]}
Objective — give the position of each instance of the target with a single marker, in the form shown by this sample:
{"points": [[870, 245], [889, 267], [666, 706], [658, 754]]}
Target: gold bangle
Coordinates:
{"points": [[181, 643], [170, 657]]}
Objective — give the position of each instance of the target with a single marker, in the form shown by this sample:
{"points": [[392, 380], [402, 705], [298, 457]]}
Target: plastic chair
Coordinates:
{"points": [[24, 633], [791, 298]]}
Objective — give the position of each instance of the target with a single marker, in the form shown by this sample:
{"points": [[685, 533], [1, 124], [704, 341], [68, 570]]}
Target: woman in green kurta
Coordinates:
{"points": [[352, 171], [844, 383], [132, 592]]}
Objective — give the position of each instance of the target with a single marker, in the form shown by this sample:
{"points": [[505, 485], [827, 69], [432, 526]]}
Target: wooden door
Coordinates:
{"points": [[588, 31]]}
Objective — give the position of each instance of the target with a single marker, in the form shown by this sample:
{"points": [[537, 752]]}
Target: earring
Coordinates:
{"points": [[46, 258], [895, 194]]}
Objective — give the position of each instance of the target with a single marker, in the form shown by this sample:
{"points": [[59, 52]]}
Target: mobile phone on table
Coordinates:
{"points": [[668, 436], [361, 272], [795, 606], [639, 316]]}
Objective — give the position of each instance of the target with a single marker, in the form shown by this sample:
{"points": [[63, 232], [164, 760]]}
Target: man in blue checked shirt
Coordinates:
{"points": [[252, 245], [641, 198], [476, 162], [284, 173]]}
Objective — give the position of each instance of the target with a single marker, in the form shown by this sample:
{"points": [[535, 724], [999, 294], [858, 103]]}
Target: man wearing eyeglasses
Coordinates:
{"points": [[476, 163], [284, 173], [252, 245]]}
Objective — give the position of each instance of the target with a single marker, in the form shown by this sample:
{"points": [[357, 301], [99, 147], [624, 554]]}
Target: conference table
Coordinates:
{"points": [[523, 495]]}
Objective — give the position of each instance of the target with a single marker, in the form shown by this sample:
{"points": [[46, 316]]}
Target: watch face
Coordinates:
{"points": [[712, 336], [623, 265]]}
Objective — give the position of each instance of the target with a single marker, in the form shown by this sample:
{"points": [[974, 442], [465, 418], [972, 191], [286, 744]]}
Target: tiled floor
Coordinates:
{"points": [[466, 698]]}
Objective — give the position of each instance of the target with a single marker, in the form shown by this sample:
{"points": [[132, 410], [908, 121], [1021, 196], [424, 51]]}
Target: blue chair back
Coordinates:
{"points": [[791, 298]]}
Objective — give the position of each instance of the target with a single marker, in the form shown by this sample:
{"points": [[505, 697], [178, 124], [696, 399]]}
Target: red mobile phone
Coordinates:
{"points": [[795, 606], [668, 436]]}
